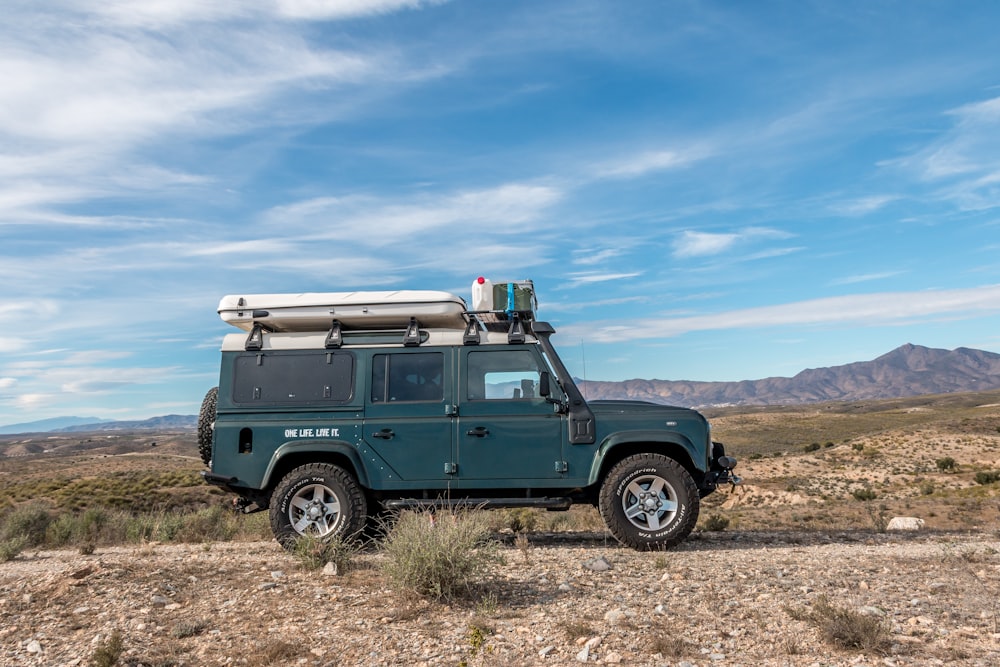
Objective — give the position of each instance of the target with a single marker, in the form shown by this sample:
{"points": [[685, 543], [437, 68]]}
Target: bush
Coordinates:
{"points": [[28, 523], [438, 555], [716, 523], [863, 494], [314, 552], [11, 548], [847, 628], [945, 464], [811, 447], [987, 477]]}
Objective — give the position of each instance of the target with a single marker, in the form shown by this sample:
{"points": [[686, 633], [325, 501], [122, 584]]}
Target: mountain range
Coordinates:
{"points": [[909, 370]]}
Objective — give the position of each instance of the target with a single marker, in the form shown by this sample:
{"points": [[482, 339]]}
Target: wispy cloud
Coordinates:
{"points": [[866, 310], [690, 243], [589, 278], [865, 277], [642, 163]]}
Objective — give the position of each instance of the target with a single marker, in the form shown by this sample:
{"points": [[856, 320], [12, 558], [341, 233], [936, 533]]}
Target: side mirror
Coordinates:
{"points": [[544, 385]]}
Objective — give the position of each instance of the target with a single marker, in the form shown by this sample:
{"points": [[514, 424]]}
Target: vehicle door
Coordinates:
{"points": [[407, 415], [506, 430]]}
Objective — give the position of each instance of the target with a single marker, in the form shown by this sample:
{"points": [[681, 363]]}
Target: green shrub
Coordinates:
{"points": [[987, 477], [521, 519], [441, 555], [11, 548], [863, 494], [716, 523], [109, 651], [847, 628], [29, 523], [811, 447], [314, 552], [945, 464]]}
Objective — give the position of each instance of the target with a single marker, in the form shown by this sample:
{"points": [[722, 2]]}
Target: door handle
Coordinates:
{"points": [[384, 434], [478, 432]]}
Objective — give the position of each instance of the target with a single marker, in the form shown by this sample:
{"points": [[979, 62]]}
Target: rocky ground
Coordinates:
{"points": [[725, 598]]}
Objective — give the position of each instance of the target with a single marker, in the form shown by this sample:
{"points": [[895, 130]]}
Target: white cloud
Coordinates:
{"points": [[864, 205], [888, 308], [701, 244], [867, 277], [347, 9], [587, 278], [7, 383], [644, 163]]}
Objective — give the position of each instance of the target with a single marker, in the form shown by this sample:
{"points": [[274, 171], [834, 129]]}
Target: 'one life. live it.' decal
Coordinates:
{"points": [[312, 432]]}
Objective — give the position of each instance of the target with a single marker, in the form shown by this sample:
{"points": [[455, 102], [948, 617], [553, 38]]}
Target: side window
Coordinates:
{"points": [[295, 377], [407, 377], [503, 375]]}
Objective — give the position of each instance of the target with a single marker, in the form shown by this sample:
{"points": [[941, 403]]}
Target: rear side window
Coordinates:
{"points": [[294, 377], [407, 377]]}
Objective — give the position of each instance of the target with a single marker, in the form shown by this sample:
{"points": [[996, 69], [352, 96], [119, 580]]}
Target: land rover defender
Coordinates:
{"points": [[332, 408]]}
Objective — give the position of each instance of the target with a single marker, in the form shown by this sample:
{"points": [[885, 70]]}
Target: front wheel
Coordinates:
{"points": [[649, 501], [320, 499]]}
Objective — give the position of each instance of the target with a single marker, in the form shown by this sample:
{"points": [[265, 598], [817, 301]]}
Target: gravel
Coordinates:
{"points": [[732, 598]]}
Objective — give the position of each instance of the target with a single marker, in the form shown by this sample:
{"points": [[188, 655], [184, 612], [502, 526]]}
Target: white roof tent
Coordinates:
{"points": [[370, 311]]}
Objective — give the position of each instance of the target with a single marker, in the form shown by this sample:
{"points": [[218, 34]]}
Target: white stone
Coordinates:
{"points": [[330, 569], [33, 646], [584, 655], [905, 523]]}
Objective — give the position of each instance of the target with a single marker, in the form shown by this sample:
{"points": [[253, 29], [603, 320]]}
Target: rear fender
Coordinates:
{"points": [[300, 452]]}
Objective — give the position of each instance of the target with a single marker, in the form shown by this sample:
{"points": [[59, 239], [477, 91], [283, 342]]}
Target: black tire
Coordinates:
{"points": [[319, 499], [206, 424], [649, 501]]}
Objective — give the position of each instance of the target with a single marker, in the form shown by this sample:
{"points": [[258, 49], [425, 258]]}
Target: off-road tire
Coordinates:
{"points": [[319, 499], [206, 424], [649, 501]]}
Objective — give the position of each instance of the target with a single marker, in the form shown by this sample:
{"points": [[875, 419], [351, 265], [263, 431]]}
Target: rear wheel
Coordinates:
{"points": [[649, 501], [206, 424], [320, 499]]}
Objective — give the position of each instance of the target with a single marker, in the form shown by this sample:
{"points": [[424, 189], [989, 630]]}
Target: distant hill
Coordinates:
{"points": [[45, 425], [153, 424], [910, 370]]}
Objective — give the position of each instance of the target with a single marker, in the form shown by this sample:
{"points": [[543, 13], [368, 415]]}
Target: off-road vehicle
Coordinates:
{"points": [[335, 407]]}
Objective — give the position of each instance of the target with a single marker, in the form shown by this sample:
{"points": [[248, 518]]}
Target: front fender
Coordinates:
{"points": [[312, 448], [652, 440]]}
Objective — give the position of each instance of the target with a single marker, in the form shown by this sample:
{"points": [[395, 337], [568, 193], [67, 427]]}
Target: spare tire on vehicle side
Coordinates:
{"points": [[206, 424]]}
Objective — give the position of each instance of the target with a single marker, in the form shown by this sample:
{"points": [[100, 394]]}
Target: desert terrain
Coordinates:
{"points": [[795, 567]]}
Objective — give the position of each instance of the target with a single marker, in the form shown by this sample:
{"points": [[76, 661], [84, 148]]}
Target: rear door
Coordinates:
{"points": [[407, 417], [506, 431]]}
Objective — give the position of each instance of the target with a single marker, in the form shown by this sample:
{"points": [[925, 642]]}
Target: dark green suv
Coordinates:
{"points": [[378, 412]]}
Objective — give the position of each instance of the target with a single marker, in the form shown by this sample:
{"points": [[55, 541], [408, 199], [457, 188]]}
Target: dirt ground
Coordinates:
{"points": [[723, 598]]}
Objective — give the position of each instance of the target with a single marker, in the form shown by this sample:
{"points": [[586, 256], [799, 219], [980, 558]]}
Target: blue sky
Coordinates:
{"points": [[700, 190]]}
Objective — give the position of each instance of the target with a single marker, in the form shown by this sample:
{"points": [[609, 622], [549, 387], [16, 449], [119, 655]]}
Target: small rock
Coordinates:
{"points": [[268, 586], [905, 523], [660, 609], [599, 564], [277, 574], [160, 601], [593, 642], [565, 588], [330, 570], [545, 651], [612, 658], [584, 655], [33, 646]]}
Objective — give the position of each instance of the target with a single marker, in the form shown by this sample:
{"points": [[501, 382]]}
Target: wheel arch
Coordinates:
{"points": [[292, 455], [622, 445]]}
